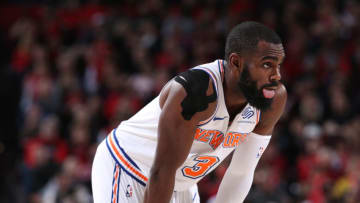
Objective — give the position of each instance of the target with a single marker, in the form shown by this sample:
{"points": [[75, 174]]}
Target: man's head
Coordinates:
{"points": [[254, 54]]}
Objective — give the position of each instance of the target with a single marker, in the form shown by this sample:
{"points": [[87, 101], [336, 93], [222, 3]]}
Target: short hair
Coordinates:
{"points": [[245, 36]]}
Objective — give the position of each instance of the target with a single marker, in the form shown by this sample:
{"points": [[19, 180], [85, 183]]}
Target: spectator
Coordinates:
{"points": [[86, 65]]}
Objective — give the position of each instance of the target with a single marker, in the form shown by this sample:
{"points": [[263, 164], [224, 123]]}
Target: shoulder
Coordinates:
{"points": [[195, 81], [270, 117], [196, 91]]}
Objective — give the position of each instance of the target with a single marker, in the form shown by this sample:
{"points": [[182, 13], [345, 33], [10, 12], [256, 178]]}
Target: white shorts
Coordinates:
{"points": [[116, 178]]}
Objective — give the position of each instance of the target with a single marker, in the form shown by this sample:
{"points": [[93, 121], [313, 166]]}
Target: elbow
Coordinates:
{"points": [[154, 173], [158, 172]]}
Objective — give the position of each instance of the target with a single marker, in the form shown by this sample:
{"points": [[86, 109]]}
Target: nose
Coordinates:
{"points": [[275, 75]]}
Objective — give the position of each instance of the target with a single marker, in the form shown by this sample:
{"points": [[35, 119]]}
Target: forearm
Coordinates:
{"points": [[160, 186], [239, 176], [234, 187], [175, 138]]}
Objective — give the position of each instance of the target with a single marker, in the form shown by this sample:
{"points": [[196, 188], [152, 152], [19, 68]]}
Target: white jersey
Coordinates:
{"points": [[134, 141]]}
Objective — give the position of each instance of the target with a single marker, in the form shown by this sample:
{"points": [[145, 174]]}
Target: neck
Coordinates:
{"points": [[234, 99]]}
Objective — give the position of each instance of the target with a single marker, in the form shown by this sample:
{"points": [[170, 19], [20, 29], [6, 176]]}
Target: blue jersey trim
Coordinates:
{"points": [[130, 174], [122, 150]]}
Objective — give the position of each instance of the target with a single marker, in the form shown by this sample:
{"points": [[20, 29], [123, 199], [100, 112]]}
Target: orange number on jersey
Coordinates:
{"points": [[204, 163]]}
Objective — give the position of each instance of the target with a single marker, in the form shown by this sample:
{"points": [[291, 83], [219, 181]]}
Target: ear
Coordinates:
{"points": [[236, 62]]}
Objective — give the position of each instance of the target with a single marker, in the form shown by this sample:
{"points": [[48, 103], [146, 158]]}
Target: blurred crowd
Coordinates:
{"points": [[73, 70]]}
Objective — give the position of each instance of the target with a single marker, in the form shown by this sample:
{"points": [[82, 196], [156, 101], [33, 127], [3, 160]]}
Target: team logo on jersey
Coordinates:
{"points": [[214, 138], [261, 150], [247, 113], [233, 139], [129, 191]]}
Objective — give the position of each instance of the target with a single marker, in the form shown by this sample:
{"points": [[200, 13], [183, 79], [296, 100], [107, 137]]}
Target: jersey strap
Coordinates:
{"points": [[221, 64], [215, 81]]}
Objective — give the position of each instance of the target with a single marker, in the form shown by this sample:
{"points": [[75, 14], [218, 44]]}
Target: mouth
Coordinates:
{"points": [[269, 92], [271, 88]]}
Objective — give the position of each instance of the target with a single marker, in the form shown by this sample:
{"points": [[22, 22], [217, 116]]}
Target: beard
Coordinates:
{"points": [[252, 94]]}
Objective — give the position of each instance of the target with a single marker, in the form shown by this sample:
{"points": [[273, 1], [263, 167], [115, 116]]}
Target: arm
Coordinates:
{"points": [[239, 176], [175, 137]]}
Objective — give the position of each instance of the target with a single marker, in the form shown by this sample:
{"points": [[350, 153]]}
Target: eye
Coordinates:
{"points": [[267, 65]]}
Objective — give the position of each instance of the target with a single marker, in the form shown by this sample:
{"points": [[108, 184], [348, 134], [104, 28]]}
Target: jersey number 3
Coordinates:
{"points": [[202, 166]]}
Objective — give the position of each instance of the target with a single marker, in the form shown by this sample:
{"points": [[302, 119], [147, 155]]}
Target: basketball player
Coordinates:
{"points": [[199, 118]]}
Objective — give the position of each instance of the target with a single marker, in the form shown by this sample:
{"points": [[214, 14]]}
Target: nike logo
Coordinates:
{"points": [[219, 118], [194, 197]]}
